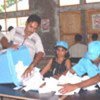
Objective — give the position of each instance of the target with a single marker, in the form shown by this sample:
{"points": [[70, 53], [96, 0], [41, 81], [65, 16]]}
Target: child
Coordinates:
{"points": [[60, 64]]}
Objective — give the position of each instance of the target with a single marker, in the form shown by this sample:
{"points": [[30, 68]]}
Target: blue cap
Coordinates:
{"points": [[62, 44], [93, 50]]}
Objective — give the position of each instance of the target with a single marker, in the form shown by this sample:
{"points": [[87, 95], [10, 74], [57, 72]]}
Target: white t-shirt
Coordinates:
{"points": [[33, 42]]}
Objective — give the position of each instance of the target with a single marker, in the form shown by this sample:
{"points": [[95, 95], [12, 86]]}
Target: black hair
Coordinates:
{"points": [[67, 55], [78, 37], [0, 27], [10, 28], [33, 18], [94, 36], [58, 47]]}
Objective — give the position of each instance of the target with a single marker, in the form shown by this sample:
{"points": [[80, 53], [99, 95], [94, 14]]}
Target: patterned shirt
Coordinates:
{"points": [[33, 42]]}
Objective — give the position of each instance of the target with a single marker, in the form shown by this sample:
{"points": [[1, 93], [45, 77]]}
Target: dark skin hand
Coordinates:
{"points": [[67, 88], [36, 60], [70, 87]]}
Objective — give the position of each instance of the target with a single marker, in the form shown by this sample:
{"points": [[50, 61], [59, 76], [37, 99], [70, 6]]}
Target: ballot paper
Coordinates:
{"points": [[36, 82], [32, 82], [52, 83], [68, 78], [20, 68]]}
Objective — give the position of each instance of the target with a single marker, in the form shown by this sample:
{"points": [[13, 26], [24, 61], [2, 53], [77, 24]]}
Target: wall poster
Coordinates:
{"points": [[96, 21], [45, 25]]}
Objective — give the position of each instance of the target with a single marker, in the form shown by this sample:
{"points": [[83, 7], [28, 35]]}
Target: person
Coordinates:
{"points": [[60, 63], [8, 36], [27, 36], [89, 64], [3, 40], [78, 49], [10, 28], [94, 37]]}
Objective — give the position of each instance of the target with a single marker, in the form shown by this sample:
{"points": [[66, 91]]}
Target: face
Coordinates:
{"points": [[61, 52], [31, 27], [97, 60]]}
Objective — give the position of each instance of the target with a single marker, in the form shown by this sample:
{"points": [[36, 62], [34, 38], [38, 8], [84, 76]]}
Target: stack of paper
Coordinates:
{"points": [[35, 81], [32, 82], [52, 83]]}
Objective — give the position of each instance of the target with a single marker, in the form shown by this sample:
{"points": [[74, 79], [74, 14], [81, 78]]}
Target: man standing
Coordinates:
{"points": [[27, 36]]}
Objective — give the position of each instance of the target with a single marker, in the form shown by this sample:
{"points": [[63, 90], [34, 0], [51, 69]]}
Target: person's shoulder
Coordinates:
{"points": [[35, 36], [73, 46], [19, 30], [83, 44], [85, 60], [80, 45]]}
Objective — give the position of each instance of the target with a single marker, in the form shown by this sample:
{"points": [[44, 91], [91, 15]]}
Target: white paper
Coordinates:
{"points": [[35, 81], [52, 83], [31, 82]]}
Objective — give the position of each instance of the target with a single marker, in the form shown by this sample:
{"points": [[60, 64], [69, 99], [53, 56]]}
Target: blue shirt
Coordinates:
{"points": [[86, 66]]}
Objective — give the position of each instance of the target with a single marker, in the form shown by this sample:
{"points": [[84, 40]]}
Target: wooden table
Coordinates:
{"points": [[6, 90]]}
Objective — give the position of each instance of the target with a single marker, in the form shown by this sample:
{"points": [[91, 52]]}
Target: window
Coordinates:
{"points": [[13, 5], [92, 1], [22, 21], [2, 6], [10, 6], [68, 2]]}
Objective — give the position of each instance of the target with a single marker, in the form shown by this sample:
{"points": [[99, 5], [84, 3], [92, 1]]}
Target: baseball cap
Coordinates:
{"points": [[62, 44]]}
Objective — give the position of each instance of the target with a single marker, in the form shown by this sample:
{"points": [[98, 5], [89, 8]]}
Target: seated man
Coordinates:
{"points": [[90, 65], [78, 49]]}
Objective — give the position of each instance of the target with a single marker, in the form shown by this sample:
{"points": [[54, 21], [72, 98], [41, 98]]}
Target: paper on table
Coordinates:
{"points": [[31, 82], [68, 78], [98, 84], [51, 85], [20, 68]]}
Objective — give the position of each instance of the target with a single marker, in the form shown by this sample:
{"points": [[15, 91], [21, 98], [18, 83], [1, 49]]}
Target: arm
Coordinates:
{"points": [[68, 66], [34, 63], [89, 82], [47, 67], [70, 87]]}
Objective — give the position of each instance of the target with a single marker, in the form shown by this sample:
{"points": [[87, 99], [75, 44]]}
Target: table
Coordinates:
{"points": [[6, 90], [86, 95]]}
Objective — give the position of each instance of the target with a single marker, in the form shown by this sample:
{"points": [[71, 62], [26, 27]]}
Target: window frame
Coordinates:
{"points": [[5, 13]]}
